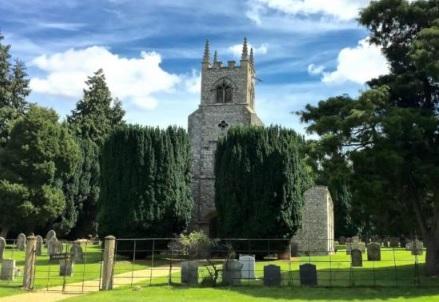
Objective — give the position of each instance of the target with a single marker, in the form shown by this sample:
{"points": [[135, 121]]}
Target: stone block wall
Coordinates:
{"points": [[316, 235]]}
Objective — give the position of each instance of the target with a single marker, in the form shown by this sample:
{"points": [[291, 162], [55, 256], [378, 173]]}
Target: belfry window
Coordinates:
{"points": [[224, 93]]}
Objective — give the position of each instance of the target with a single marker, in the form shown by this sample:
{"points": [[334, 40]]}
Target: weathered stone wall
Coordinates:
{"points": [[317, 233]]}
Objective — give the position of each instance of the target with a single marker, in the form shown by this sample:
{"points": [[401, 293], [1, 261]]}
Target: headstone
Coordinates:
{"points": [[374, 252], [402, 241], [342, 240], [49, 235], [308, 275], [232, 272], [8, 269], [272, 276], [386, 242], [54, 247], [39, 247], [394, 242], [189, 272], [2, 247], [66, 267], [355, 239], [76, 252], [294, 249], [355, 245], [248, 266], [356, 258], [417, 248], [21, 242]]}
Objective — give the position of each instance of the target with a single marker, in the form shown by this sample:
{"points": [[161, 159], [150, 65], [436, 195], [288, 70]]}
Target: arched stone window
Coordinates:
{"points": [[224, 92]]}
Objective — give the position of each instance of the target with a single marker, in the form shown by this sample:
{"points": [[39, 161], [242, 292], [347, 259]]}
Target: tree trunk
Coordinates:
{"points": [[4, 232], [432, 257]]}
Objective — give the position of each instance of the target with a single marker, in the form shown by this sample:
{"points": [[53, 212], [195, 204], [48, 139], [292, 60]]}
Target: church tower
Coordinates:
{"points": [[227, 99]]}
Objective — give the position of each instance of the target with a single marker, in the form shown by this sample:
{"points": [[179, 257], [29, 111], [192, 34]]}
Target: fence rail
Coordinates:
{"points": [[232, 262]]}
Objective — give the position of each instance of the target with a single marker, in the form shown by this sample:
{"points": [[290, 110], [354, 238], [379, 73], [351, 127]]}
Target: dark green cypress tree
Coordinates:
{"points": [[261, 175], [145, 183], [96, 115]]}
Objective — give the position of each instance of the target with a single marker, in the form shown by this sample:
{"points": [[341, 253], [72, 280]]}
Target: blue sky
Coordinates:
{"points": [[305, 51]]}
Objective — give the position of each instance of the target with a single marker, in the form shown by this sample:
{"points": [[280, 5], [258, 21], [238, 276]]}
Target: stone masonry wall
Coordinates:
{"points": [[317, 233]]}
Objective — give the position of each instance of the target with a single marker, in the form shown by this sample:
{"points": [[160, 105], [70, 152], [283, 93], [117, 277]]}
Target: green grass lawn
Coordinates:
{"points": [[260, 294], [396, 269], [47, 272]]}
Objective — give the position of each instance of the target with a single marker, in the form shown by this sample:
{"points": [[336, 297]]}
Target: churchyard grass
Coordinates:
{"points": [[260, 294]]}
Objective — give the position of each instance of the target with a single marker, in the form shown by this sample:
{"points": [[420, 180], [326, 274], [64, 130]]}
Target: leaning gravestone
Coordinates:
{"points": [[248, 266], [272, 275], [39, 246], [232, 272], [8, 270], [356, 258], [374, 252], [50, 234], [2, 247], [308, 275], [76, 252], [66, 268], [189, 272], [417, 248], [21, 242]]}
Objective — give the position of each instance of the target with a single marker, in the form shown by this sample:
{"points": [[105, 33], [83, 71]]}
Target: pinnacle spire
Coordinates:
{"points": [[215, 57], [206, 56], [252, 59], [244, 55]]}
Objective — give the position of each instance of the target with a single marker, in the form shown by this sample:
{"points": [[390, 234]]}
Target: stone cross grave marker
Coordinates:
{"points": [[39, 247], [189, 272], [232, 272], [374, 252], [308, 275], [76, 252], [356, 258], [248, 266], [272, 276], [21, 242], [2, 247]]}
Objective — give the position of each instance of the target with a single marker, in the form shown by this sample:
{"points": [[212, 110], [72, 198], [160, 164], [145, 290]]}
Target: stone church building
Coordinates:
{"points": [[227, 100]]}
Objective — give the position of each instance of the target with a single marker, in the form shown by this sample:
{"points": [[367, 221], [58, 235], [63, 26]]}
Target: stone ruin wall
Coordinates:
{"points": [[316, 235]]}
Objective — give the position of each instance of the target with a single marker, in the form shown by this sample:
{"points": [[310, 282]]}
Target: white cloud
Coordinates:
{"points": [[192, 82], [134, 80], [236, 49], [343, 10], [359, 64]]}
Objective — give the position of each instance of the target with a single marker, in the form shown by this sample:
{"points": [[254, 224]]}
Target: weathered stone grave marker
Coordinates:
{"points": [[50, 234], [272, 276], [2, 247], [189, 272], [76, 252], [39, 247], [232, 272], [417, 248], [248, 266], [66, 267], [294, 249], [394, 242], [356, 258], [54, 247], [308, 275], [8, 269], [374, 252], [21, 242]]}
